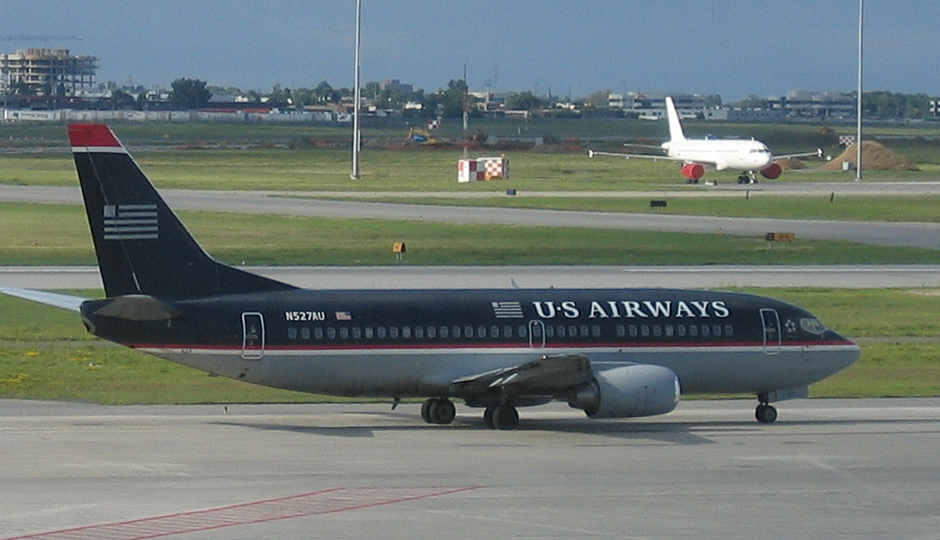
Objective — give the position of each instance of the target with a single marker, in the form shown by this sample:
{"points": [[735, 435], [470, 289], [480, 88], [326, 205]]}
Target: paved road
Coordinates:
{"points": [[925, 235], [501, 277], [860, 469]]}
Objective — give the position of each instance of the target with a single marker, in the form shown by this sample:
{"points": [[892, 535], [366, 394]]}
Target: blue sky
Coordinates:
{"points": [[730, 47]]}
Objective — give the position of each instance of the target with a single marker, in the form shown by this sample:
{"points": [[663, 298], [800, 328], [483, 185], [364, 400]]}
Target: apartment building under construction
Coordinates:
{"points": [[46, 71]]}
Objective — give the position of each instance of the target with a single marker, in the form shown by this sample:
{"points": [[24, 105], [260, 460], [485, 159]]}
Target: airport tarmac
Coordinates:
{"points": [[827, 469], [504, 277]]}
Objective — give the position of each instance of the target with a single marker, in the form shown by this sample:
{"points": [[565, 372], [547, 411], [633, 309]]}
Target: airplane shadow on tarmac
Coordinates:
{"points": [[668, 433]]}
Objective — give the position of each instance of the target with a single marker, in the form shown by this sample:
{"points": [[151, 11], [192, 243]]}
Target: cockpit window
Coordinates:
{"points": [[813, 326]]}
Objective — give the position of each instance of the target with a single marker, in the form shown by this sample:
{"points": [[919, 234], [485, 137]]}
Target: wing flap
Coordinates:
{"points": [[547, 375]]}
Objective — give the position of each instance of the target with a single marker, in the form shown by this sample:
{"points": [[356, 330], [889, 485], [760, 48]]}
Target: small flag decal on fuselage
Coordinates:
{"points": [[131, 222], [507, 310]]}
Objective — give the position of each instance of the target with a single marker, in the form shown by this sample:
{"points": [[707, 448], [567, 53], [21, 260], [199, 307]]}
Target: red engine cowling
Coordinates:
{"points": [[773, 172], [693, 171]]}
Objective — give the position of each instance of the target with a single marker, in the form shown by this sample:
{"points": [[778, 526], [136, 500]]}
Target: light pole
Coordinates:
{"points": [[858, 131], [357, 93]]}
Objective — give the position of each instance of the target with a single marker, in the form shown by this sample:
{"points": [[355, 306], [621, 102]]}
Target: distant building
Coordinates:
{"points": [[814, 104], [652, 105], [395, 85], [47, 71], [489, 102]]}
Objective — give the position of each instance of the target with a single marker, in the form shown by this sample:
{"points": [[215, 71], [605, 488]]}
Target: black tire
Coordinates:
{"points": [[443, 411], [766, 414], [488, 417], [426, 410], [505, 417]]}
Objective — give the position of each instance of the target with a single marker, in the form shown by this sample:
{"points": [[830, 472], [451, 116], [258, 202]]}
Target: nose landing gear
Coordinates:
{"points": [[765, 413]]}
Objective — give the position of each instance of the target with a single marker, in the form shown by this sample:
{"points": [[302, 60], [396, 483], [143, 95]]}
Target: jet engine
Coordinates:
{"points": [[633, 390], [773, 171], [693, 171]]}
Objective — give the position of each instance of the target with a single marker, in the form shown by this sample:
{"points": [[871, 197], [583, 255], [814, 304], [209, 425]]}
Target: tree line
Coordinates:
{"points": [[450, 102]]}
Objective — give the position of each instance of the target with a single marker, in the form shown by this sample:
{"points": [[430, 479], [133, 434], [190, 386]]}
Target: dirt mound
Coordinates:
{"points": [[875, 157]]}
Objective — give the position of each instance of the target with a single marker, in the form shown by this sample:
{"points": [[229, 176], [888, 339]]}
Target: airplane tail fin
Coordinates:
{"points": [[675, 127], [142, 247]]}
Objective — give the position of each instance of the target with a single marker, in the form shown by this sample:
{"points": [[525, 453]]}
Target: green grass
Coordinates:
{"points": [[49, 234], [115, 375], [397, 170], [887, 369]]}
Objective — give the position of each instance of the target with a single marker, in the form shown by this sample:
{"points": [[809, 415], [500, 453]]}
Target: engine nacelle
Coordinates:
{"points": [[633, 390], [773, 171], [693, 171]]}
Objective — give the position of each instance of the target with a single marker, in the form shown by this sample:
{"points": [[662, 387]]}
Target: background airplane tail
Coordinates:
{"points": [[142, 247], [675, 126]]}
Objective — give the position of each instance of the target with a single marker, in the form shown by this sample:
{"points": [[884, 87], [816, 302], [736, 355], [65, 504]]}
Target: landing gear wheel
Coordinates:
{"points": [[488, 417], [505, 417], [426, 410], [438, 411], [766, 414]]}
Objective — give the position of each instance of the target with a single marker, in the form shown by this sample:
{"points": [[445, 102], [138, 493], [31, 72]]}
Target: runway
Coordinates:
{"points": [[503, 277], [826, 469], [923, 235]]}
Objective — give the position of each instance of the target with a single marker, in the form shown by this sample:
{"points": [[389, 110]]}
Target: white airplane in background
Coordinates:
{"points": [[748, 156]]}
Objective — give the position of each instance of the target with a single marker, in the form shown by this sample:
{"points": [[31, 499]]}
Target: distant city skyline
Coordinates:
{"points": [[734, 48]]}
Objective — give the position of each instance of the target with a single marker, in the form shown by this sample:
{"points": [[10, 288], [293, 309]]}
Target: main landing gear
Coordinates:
{"points": [[765, 413], [442, 411], [504, 417], [438, 411]]}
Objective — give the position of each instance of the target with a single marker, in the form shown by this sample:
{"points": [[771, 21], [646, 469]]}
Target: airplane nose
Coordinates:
{"points": [[849, 352]]}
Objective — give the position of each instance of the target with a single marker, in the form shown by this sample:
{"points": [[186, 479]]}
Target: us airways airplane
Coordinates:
{"points": [[612, 353], [747, 156]]}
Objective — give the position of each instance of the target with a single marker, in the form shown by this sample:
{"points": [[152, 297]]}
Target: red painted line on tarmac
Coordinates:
{"points": [[328, 501]]}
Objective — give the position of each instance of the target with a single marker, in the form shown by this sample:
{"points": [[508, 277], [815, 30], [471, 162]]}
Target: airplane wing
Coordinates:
{"points": [[592, 153], [817, 153], [64, 301], [545, 376], [717, 164]]}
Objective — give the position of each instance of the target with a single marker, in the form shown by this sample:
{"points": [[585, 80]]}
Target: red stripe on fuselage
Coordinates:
{"points": [[484, 346], [98, 135]]}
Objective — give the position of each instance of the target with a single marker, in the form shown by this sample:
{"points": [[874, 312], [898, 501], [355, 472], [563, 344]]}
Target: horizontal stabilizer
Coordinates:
{"points": [[64, 301], [138, 307]]}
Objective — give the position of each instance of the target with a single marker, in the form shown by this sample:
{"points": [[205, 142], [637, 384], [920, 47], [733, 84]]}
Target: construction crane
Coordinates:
{"points": [[28, 37]]}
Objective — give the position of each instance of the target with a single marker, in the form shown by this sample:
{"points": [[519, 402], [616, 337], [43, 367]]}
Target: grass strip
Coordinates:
{"points": [[51, 235]]}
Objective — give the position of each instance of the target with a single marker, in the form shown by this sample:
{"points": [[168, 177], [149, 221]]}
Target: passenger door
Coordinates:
{"points": [[770, 320], [252, 336]]}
